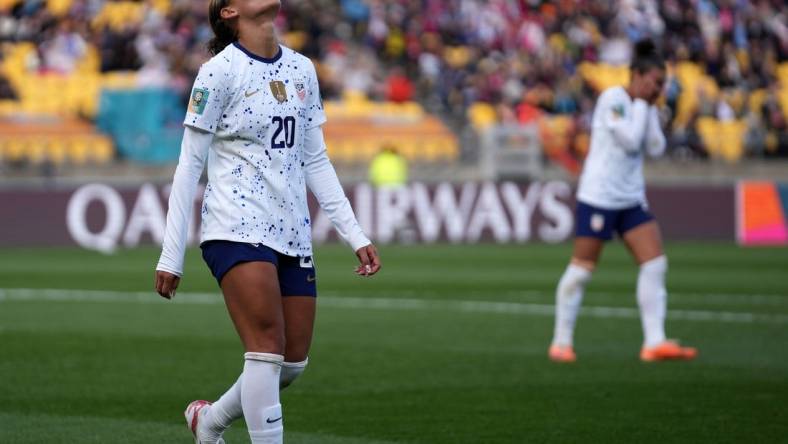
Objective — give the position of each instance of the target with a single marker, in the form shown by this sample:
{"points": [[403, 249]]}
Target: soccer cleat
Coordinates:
{"points": [[562, 353], [667, 351], [194, 411]]}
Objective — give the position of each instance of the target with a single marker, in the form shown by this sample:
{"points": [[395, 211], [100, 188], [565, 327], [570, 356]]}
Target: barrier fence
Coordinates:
{"points": [[105, 217]]}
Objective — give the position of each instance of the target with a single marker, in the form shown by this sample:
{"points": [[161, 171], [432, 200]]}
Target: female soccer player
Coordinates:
{"points": [[611, 197], [255, 114]]}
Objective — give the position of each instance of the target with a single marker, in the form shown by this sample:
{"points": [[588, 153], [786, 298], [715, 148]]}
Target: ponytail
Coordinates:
{"points": [[646, 57], [224, 34]]}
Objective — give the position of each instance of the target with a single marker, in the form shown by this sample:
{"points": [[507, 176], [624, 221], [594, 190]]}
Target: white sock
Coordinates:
{"points": [[568, 297], [221, 414], [653, 299], [291, 371], [225, 410], [260, 397]]}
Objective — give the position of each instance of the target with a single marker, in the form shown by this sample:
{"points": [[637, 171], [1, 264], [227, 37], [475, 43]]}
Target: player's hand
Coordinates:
{"points": [[369, 261], [640, 90], [166, 284]]}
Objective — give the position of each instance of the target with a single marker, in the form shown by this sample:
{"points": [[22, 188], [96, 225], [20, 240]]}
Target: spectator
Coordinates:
{"points": [[521, 57], [64, 50]]}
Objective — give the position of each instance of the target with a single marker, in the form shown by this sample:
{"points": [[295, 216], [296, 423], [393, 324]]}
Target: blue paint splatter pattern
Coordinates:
{"points": [[257, 193]]}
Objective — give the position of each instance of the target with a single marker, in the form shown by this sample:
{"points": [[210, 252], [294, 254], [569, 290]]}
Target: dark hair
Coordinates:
{"points": [[646, 57], [224, 34]]}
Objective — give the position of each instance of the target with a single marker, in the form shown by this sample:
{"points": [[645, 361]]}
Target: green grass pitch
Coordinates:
{"points": [[403, 357]]}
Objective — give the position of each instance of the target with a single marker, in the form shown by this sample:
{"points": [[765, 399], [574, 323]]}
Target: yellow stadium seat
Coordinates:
{"points": [[102, 151], [336, 150], [602, 76], [732, 140], [482, 115], [352, 95], [724, 140], [36, 150], [9, 107], [58, 7], [118, 15], [56, 151], [782, 74], [413, 109], [555, 132], [15, 149], [120, 80], [756, 99], [783, 98], [457, 56], [295, 39], [162, 6], [78, 150], [708, 130]]}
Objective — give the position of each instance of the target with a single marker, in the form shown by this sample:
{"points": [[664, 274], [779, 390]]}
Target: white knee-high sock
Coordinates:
{"points": [[291, 371], [653, 299], [260, 397], [228, 407], [225, 410], [568, 297]]}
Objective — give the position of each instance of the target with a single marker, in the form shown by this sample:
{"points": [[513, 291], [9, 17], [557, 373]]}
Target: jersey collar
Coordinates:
{"points": [[257, 57]]}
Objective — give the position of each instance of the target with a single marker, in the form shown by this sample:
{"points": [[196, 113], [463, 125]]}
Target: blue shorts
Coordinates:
{"points": [[591, 221], [296, 274]]}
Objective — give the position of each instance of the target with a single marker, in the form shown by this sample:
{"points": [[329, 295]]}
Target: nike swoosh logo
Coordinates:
{"points": [[250, 94], [310, 279], [271, 421]]}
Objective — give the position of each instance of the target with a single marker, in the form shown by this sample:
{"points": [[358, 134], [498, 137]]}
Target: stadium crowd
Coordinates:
{"points": [[521, 58]]}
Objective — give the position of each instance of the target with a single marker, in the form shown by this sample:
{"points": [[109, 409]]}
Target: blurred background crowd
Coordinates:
{"points": [[471, 64]]}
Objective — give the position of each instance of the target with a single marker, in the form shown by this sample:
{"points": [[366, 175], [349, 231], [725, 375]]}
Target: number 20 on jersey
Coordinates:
{"points": [[284, 132]]}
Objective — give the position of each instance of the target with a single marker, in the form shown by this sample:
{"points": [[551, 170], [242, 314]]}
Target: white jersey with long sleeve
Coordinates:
{"points": [[622, 130], [257, 121]]}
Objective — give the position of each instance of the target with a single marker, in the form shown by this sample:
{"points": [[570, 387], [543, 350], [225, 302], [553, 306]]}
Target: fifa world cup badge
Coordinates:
{"points": [[618, 111], [597, 222], [300, 89], [198, 101], [278, 90]]}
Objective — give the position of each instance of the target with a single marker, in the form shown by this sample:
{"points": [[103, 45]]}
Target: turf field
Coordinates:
{"points": [[447, 345]]}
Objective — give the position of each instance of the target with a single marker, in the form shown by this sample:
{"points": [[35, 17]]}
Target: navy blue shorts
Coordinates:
{"points": [[296, 274], [591, 221]]}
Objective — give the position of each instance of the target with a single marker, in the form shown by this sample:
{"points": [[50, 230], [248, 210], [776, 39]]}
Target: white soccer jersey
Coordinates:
{"points": [[622, 129], [263, 146]]}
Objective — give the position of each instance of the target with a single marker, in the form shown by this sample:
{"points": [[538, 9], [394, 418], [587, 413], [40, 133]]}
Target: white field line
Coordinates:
{"points": [[383, 303], [681, 297]]}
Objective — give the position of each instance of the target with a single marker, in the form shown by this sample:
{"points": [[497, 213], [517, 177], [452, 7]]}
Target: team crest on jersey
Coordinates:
{"points": [[278, 90], [618, 111], [198, 101], [597, 222], [300, 88]]}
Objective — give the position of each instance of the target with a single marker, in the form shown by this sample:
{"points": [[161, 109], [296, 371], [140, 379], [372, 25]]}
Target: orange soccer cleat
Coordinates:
{"points": [[562, 353], [667, 351]]}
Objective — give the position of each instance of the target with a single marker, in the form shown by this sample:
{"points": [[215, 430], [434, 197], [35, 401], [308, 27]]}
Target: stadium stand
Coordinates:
{"points": [[417, 78]]}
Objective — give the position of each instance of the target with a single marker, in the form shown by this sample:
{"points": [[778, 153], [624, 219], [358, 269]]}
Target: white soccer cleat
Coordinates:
{"points": [[194, 412]]}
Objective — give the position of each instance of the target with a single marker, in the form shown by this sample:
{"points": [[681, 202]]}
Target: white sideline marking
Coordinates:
{"points": [[378, 303]]}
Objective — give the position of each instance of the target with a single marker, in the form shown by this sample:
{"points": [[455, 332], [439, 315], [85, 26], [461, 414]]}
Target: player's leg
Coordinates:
{"points": [[252, 296], [593, 228], [299, 316], [253, 299], [247, 275], [569, 296], [645, 243], [297, 280], [299, 325]]}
